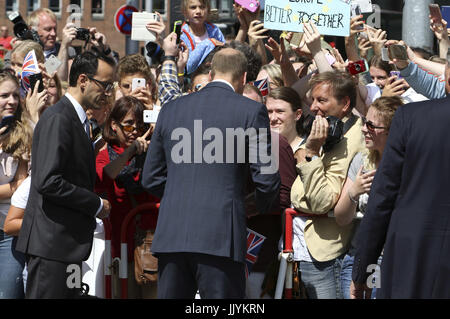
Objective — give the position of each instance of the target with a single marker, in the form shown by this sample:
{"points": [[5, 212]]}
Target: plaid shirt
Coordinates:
{"points": [[169, 88]]}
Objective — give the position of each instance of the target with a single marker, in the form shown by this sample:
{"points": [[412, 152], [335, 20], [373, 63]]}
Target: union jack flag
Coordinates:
{"points": [[263, 86], [254, 244], [30, 66]]}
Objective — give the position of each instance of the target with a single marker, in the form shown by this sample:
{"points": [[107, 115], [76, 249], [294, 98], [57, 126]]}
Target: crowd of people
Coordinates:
{"points": [[79, 154]]}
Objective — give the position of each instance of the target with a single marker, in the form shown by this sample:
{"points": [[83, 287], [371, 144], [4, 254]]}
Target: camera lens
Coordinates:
{"points": [[358, 67]]}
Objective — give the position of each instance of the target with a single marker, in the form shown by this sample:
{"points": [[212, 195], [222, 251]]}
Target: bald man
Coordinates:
{"points": [[200, 239]]}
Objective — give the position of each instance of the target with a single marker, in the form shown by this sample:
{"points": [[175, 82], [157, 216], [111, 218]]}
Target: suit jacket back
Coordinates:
{"points": [[202, 207]]}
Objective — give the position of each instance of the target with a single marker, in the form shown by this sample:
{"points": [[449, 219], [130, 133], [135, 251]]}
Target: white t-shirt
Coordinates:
{"points": [[198, 40], [374, 92], [20, 197]]}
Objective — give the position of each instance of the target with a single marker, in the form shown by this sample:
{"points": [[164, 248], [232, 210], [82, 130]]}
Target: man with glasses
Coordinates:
{"points": [[59, 223], [319, 242], [408, 211]]}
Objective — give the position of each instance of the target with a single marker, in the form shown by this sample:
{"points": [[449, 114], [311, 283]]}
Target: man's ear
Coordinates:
{"points": [[82, 81], [210, 76], [346, 102], [244, 79]]}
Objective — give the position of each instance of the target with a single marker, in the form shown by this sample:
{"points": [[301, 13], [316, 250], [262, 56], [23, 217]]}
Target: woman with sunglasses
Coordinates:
{"points": [[119, 166], [354, 195], [15, 147]]}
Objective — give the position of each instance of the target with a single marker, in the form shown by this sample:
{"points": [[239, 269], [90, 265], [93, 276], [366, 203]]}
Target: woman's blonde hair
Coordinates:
{"points": [[17, 142], [274, 72], [185, 5], [29, 45], [385, 108]]}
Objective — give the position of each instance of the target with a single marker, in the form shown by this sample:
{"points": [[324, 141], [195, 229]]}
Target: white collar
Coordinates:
{"points": [[223, 81], [78, 108]]}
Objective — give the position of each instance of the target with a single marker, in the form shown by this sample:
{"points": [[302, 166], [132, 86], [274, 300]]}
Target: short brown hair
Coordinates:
{"points": [[378, 62], [118, 112], [341, 83], [229, 61], [136, 63]]}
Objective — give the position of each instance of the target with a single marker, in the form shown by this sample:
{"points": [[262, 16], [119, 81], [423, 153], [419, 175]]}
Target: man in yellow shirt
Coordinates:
{"points": [[322, 170]]}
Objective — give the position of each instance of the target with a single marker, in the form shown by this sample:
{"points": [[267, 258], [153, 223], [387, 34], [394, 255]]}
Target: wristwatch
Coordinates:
{"points": [[169, 57], [309, 158]]}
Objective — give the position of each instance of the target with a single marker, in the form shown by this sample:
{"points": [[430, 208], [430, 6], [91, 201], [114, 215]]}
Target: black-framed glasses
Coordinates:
{"points": [[107, 86], [370, 126]]}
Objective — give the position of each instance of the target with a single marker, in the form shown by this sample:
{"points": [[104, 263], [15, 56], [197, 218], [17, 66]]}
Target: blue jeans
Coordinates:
{"points": [[346, 276], [12, 263], [322, 279]]}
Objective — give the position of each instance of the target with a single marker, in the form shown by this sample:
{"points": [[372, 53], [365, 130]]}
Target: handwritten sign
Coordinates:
{"points": [[332, 17]]}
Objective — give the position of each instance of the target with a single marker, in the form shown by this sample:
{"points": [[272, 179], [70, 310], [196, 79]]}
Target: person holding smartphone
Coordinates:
{"points": [[15, 148], [119, 167], [362, 170]]}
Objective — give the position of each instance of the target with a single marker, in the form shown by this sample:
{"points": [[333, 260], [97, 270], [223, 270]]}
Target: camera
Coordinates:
{"points": [[21, 29], [358, 67], [335, 130], [155, 52], [83, 34]]}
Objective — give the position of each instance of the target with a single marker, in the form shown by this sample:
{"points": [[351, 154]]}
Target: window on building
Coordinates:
{"points": [[55, 6], [158, 5], [97, 7], [224, 7], [12, 5], [33, 5]]}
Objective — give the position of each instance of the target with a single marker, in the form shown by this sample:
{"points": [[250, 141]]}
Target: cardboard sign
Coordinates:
{"points": [[332, 17]]}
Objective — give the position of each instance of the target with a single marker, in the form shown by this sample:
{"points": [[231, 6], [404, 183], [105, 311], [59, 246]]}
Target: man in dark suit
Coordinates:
{"points": [[59, 220], [409, 208], [200, 238]]}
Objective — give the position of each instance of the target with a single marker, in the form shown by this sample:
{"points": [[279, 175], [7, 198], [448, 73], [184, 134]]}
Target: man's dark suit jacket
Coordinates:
{"points": [[202, 206], [409, 206], [59, 219]]}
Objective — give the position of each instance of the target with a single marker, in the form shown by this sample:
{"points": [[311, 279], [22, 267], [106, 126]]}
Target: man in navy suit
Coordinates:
{"points": [[409, 207], [200, 174]]}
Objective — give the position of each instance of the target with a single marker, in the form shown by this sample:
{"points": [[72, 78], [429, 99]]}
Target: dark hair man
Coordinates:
{"points": [[58, 226]]}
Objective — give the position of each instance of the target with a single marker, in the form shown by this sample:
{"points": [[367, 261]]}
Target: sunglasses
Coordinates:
{"points": [[130, 128], [107, 86], [370, 126]]}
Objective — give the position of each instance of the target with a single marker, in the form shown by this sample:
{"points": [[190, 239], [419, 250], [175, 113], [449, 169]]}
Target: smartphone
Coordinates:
{"points": [[136, 83], [330, 58], [435, 12], [150, 116], [177, 29], [265, 33], [297, 39], [356, 11], [398, 52], [250, 5], [33, 78], [7, 121], [396, 74]]}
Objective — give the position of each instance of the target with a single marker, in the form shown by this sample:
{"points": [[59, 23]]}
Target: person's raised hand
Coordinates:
{"points": [[170, 45], [158, 27], [97, 38], [144, 95], [312, 38], [141, 143], [35, 101], [256, 32], [355, 24], [394, 87], [362, 183], [239, 12], [439, 29], [183, 57], [318, 136], [69, 34], [364, 46], [377, 40]]}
